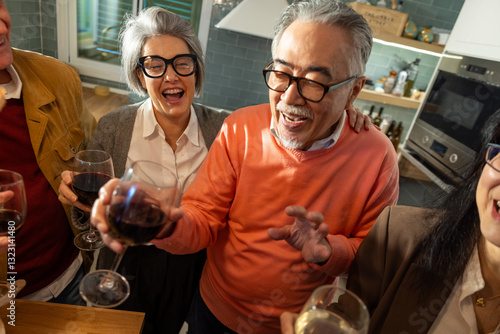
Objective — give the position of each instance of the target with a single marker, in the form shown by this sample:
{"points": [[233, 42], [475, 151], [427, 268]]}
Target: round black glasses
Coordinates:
{"points": [[309, 89], [156, 66]]}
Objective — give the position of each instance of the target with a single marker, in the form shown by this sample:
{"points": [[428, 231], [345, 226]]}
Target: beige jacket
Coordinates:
{"points": [[58, 123], [383, 273], [57, 120]]}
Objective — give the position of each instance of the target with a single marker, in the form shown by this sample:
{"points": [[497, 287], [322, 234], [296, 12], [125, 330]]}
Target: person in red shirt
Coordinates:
{"points": [[42, 126]]}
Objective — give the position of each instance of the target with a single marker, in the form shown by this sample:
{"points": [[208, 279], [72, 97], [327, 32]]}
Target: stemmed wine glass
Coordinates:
{"points": [[91, 170], [140, 208], [13, 211], [333, 309], [12, 215]]}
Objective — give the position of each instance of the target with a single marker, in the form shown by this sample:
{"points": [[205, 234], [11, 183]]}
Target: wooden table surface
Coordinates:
{"points": [[50, 318]]}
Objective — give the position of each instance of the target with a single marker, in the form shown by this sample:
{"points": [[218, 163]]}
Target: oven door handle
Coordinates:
{"points": [[434, 178]]}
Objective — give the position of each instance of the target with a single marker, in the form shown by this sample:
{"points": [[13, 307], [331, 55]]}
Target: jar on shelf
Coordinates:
{"points": [[425, 35]]}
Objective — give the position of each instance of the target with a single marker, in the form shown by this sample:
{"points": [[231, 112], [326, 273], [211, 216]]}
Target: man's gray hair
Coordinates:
{"points": [[156, 21], [335, 13]]}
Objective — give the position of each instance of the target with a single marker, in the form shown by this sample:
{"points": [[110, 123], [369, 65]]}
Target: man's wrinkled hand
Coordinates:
{"points": [[307, 234]]}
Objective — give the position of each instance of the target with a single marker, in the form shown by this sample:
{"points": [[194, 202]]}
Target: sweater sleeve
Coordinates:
{"points": [[206, 202]]}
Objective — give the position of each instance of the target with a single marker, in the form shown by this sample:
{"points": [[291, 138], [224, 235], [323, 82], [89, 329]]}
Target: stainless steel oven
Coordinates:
{"points": [[464, 92]]}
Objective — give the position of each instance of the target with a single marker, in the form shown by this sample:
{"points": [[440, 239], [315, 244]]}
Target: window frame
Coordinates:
{"points": [[67, 41]]}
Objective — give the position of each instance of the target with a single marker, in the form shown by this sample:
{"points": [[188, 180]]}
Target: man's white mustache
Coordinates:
{"points": [[300, 111]]}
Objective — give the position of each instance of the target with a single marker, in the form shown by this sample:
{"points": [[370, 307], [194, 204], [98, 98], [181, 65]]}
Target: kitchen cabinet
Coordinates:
{"points": [[407, 42], [475, 33]]}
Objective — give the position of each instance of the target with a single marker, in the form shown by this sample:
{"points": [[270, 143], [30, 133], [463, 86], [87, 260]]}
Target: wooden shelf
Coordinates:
{"points": [[373, 96], [437, 48]]}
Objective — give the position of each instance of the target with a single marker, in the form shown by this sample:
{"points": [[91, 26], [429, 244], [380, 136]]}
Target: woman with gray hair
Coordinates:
{"points": [[163, 60]]}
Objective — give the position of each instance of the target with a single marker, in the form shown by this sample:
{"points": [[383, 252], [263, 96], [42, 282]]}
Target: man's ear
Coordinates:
{"points": [[355, 90]]}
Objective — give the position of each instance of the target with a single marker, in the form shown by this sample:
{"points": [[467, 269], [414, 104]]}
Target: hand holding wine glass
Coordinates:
{"points": [[138, 210], [13, 208], [91, 170]]}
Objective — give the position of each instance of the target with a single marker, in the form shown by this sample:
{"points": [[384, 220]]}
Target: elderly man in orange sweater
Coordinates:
{"points": [[288, 190]]}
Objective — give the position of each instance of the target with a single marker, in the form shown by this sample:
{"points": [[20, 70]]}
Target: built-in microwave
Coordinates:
{"points": [[464, 93]]}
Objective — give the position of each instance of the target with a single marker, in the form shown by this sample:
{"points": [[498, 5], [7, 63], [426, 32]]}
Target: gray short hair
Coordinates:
{"points": [[156, 21], [335, 13]]}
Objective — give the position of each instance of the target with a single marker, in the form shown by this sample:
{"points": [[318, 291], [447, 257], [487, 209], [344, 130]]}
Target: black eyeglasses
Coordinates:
{"points": [[156, 66], [309, 89], [493, 156]]}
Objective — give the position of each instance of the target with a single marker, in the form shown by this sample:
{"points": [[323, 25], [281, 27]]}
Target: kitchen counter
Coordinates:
{"points": [[101, 105]]}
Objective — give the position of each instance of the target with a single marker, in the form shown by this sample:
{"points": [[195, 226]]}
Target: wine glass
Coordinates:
{"points": [[140, 208], [13, 211], [12, 217], [333, 309], [91, 170]]}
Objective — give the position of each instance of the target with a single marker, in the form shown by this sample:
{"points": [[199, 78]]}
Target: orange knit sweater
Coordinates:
{"points": [[242, 189]]}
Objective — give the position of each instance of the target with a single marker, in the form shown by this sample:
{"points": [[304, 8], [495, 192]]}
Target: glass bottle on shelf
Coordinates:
{"points": [[399, 88], [385, 125], [392, 128], [372, 109], [377, 120], [412, 76], [389, 84], [395, 137]]}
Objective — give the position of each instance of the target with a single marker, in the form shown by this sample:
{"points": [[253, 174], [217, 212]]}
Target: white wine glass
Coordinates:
{"points": [[140, 207], [333, 309], [91, 170], [12, 217]]}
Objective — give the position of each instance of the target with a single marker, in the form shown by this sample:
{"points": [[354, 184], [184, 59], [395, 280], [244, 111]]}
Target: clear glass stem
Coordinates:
{"points": [[109, 282], [118, 259], [91, 237]]}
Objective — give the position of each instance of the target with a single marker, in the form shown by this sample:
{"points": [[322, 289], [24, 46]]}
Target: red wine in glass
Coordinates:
{"points": [[86, 186], [139, 209], [91, 170], [13, 207], [135, 223], [10, 220]]}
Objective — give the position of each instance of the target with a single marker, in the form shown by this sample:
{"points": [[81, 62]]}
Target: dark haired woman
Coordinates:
{"points": [[427, 271]]}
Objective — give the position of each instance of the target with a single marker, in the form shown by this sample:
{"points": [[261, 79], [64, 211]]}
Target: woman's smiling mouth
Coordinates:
{"points": [[173, 94]]}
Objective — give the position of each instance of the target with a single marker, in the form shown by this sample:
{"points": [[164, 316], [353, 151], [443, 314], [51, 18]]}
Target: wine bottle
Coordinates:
{"points": [[392, 128], [396, 135], [372, 108], [377, 120]]}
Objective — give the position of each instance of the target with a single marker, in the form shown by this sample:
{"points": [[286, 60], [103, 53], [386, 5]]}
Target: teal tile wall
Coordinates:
{"points": [[235, 61], [230, 88], [34, 25]]}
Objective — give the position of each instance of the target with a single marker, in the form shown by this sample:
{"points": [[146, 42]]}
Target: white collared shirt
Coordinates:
{"points": [[14, 88], [148, 143], [457, 315], [322, 143]]}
